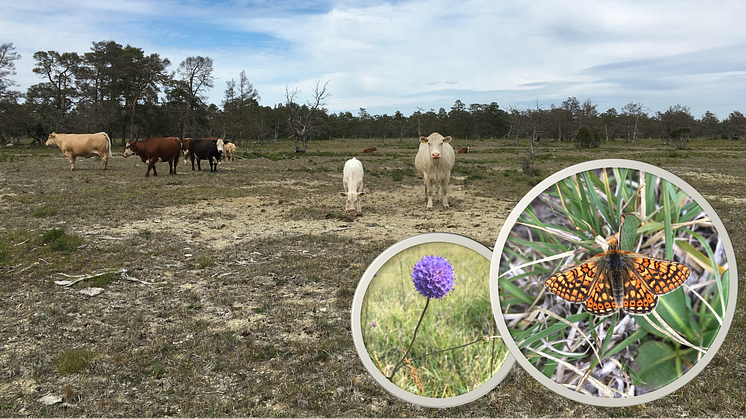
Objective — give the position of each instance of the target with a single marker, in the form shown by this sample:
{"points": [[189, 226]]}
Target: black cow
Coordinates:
{"points": [[201, 148]]}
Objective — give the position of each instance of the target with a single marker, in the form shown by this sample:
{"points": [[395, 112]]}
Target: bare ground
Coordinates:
{"points": [[230, 293]]}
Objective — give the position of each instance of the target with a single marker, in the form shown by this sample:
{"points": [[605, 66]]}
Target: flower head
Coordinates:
{"points": [[433, 277]]}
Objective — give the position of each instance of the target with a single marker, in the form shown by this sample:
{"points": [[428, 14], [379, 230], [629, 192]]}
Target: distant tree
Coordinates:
{"points": [[609, 119], [240, 106], [710, 125], [143, 76], [631, 114], [459, 120], [14, 118], [305, 121], [736, 125], [400, 125], [195, 79], [675, 118], [7, 68]]}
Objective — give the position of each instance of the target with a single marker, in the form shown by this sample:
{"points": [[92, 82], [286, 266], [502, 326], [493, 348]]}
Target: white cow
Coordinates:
{"points": [[352, 177], [434, 162], [82, 145]]}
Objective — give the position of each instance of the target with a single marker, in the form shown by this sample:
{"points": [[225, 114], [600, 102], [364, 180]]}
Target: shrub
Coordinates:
{"points": [[70, 362], [585, 139]]}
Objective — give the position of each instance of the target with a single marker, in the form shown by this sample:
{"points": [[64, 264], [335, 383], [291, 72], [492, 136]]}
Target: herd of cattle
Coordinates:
{"points": [[434, 161]]}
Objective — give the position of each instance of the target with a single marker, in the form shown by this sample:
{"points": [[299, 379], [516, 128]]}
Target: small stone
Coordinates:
{"points": [[50, 399]]}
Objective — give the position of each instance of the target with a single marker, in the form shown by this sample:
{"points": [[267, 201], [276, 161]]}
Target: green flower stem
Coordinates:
{"points": [[398, 364], [449, 349]]}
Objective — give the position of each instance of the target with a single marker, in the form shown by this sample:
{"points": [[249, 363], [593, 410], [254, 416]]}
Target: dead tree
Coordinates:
{"points": [[306, 120]]}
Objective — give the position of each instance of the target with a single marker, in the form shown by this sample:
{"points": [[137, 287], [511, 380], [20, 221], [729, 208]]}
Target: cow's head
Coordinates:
{"points": [[352, 198], [128, 150], [434, 142], [52, 139]]}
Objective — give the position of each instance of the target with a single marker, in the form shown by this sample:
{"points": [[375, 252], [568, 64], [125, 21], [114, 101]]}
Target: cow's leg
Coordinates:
{"points": [[176, 161], [192, 162], [199, 167], [429, 193], [444, 190], [105, 159], [151, 164], [71, 159]]}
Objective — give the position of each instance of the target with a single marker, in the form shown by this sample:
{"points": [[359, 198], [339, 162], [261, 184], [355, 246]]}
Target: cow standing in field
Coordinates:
{"points": [[204, 148], [154, 149], [82, 145], [185, 146], [352, 178], [230, 151], [434, 162]]}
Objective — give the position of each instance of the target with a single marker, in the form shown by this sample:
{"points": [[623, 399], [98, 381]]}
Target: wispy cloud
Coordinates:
{"points": [[407, 54]]}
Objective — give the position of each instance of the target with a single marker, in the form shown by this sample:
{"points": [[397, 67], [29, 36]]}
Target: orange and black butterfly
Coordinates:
{"points": [[618, 279]]}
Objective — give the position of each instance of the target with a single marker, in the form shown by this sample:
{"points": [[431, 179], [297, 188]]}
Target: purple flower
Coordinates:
{"points": [[433, 277]]}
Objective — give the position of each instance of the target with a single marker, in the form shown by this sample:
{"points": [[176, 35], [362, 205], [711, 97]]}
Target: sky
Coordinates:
{"points": [[407, 55]]}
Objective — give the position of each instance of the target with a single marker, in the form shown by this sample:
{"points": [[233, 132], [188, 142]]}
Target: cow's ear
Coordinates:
{"points": [[447, 139], [423, 139]]}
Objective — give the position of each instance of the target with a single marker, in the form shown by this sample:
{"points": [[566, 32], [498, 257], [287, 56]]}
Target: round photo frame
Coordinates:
{"points": [[498, 309], [357, 334]]}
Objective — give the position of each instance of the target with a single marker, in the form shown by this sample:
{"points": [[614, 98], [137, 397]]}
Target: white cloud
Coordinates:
{"points": [[388, 55]]}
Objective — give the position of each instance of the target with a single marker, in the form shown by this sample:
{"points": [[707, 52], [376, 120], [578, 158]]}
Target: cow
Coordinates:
{"points": [[82, 145], [434, 161], [352, 178], [185, 146], [370, 150], [154, 149], [205, 148], [463, 150], [230, 151]]}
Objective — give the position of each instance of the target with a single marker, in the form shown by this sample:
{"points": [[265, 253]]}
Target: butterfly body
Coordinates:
{"points": [[618, 279]]}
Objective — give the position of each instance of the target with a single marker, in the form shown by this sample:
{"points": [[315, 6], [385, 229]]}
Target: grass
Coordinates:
{"points": [[155, 356], [74, 361], [586, 205], [392, 309]]}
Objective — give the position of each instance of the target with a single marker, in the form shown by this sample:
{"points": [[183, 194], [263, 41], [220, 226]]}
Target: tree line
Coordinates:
{"points": [[133, 95]]}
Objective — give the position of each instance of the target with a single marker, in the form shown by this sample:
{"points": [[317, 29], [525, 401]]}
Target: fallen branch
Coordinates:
{"points": [[132, 278]]}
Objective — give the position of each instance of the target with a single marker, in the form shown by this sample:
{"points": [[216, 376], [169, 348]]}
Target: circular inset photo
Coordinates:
{"points": [[422, 321], [614, 282]]}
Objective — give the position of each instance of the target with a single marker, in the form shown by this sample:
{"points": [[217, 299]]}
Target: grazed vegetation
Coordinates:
{"points": [[229, 294]]}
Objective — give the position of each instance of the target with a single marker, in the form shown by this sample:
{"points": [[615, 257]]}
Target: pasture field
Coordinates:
{"points": [[229, 294]]}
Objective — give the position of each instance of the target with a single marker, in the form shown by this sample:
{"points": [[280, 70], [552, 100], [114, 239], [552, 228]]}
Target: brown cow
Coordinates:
{"points": [[370, 150], [464, 150], [154, 149], [82, 145]]}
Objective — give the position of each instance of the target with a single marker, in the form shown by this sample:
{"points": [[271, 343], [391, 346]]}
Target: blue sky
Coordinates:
{"points": [[404, 55]]}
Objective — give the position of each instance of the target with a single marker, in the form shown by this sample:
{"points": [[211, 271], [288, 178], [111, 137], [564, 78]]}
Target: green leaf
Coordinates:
{"points": [[629, 232], [655, 366]]}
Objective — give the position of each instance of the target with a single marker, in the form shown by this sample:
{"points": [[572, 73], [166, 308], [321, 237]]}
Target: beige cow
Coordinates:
{"points": [[434, 162], [82, 145], [230, 152]]}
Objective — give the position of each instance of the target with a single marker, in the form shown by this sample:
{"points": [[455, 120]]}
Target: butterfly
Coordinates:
{"points": [[618, 279]]}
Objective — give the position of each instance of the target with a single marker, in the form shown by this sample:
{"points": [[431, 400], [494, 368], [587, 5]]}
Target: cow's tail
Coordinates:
{"points": [[108, 145]]}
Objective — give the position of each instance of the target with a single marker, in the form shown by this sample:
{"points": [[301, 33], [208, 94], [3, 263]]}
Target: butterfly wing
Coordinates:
{"points": [[648, 277], [575, 283], [600, 301]]}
